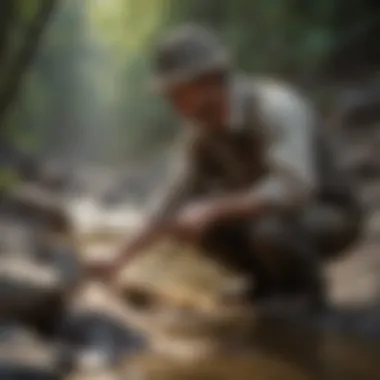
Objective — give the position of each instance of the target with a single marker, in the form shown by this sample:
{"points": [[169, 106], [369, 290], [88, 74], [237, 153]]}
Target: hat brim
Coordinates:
{"points": [[164, 83]]}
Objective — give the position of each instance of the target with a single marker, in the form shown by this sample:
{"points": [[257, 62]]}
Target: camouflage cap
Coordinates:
{"points": [[186, 53]]}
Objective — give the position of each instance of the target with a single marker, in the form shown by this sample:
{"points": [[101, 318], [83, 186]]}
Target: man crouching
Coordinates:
{"points": [[245, 188]]}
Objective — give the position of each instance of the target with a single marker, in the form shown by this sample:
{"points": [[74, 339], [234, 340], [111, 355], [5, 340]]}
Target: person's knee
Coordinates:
{"points": [[288, 256], [269, 231], [332, 229], [268, 239]]}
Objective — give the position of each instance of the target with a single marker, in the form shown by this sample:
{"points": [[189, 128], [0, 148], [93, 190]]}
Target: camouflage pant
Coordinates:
{"points": [[283, 252]]}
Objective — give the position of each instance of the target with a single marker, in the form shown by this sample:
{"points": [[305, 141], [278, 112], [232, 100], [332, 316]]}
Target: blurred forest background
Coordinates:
{"points": [[74, 74]]}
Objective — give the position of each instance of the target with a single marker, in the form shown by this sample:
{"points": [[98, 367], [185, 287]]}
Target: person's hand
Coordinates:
{"points": [[194, 219], [106, 270]]}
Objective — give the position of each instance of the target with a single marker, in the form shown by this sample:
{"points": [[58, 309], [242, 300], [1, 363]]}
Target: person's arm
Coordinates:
{"points": [[181, 185], [292, 178]]}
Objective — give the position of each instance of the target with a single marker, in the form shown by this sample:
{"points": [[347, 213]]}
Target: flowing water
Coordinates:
{"points": [[172, 297]]}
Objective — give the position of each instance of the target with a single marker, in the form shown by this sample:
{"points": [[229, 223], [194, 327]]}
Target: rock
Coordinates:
{"points": [[25, 284], [39, 268], [16, 239], [95, 331], [32, 293], [54, 179], [183, 311], [40, 265], [24, 356], [358, 106], [39, 206], [59, 251], [97, 336]]}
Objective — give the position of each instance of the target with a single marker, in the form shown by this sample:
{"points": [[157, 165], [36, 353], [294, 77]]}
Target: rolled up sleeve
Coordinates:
{"points": [[292, 176]]}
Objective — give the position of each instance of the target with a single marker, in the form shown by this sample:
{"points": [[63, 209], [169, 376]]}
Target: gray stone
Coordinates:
{"points": [[32, 293], [24, 356], [96, 335], [25, 284]]}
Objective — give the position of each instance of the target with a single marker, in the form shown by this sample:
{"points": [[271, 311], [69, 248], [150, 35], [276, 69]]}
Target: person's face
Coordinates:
{"points": [[202, 99]]}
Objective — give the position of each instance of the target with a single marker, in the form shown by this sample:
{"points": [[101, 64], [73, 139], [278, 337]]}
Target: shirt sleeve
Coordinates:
{"points": [[182, 183], [289, 153]]}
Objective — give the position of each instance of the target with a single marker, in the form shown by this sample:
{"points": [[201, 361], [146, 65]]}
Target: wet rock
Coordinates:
{"points": [[15, 239], [52, 236], [24, 356], [40, 264], [25, 284], [51, 176], [358, 106], [54, 178], [32, 293], [96, 335], [60, 252], [96, 332], [38, 206], [39, 267]]}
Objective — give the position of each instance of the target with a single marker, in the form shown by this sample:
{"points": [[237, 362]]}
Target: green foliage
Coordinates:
{"points": [[8, 179], [87, 94], [291, 38], [20, 37]]}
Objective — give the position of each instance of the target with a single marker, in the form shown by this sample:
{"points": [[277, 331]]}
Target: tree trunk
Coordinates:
{"points": [[25, 57], [6, 18]]}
